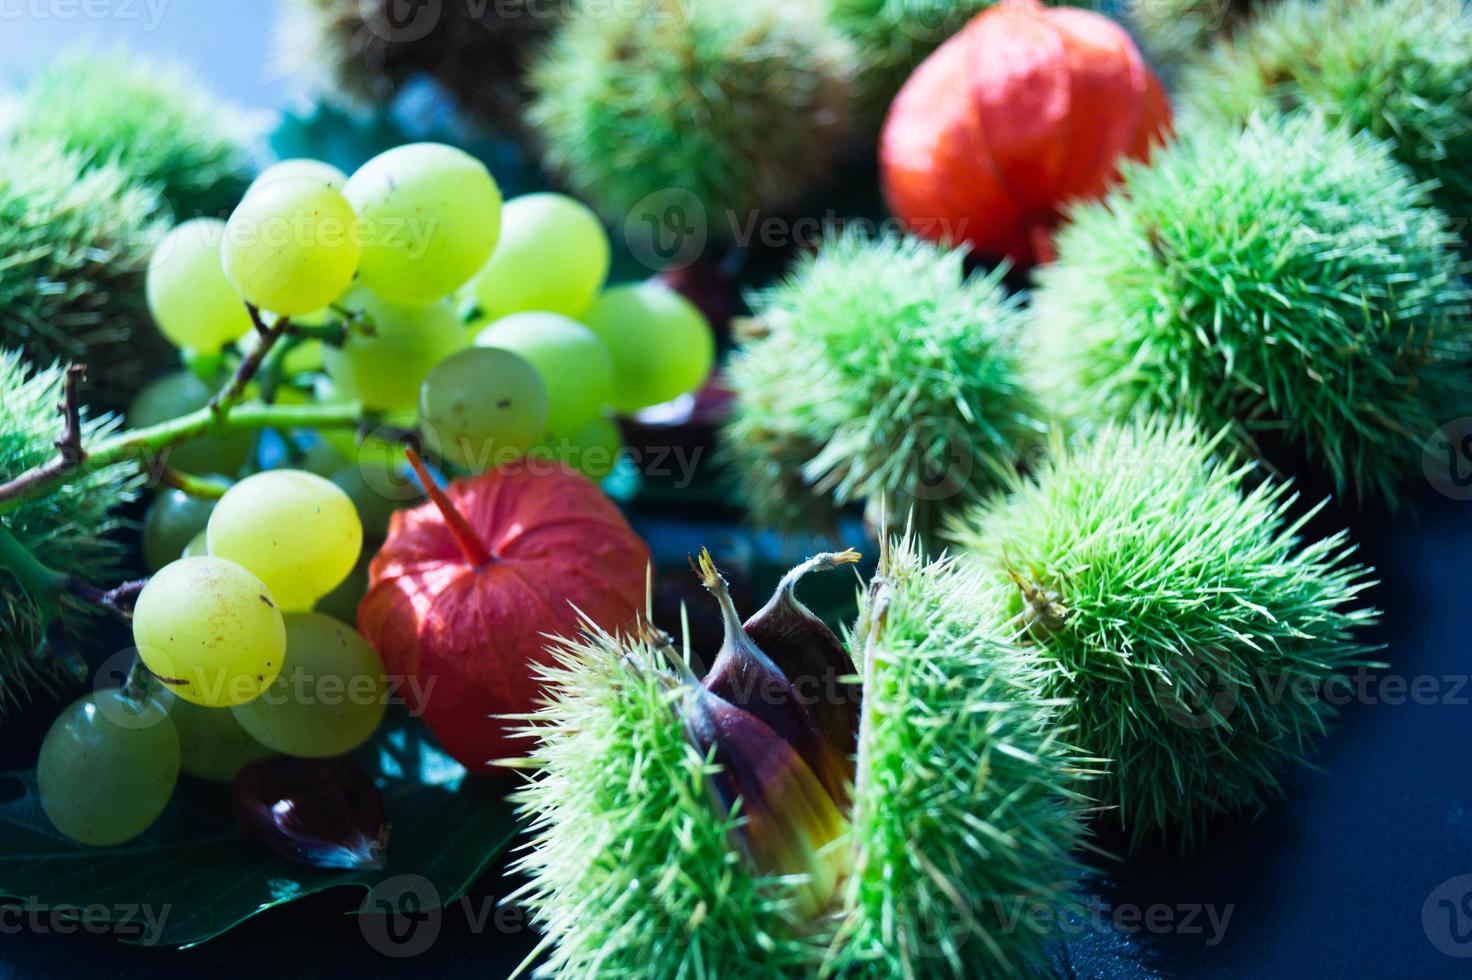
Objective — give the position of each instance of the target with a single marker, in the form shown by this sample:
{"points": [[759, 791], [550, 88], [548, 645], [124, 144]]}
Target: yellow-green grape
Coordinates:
{"points": [[574, 364], [108, 767], [173, 519], [342, 602], [210, 631], [198, 546], [190, 299], [552, 256], [390, 349], [430, 217], [661, 344], [292, 246], [483, 407], [179, 393], [316, 170], [330, 698], [212, 745], [297, 531], [592, 450]]}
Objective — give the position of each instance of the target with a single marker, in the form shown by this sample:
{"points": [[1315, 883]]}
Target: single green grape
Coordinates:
{"points": [[661, 344], [317, 170], [297, 531], [212, 745], [198, 546], [108, 767], [172, 520], [190, 299], [390, 349], [342, 602], [292, 246], [209, 630], [574, 364], [552, 256], [376, 490], [430, 217], [330, 698], [483, 407], [592, 450], [179, 393]]}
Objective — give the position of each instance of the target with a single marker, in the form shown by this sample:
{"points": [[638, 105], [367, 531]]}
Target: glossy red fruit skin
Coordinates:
{"points": [[470, 635], [1024, 111]]}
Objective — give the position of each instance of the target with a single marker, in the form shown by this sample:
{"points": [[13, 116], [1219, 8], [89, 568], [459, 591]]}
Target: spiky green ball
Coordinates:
{"points": [[1400, 69], [368, 52], [1173, 33], [1175, 602], [68, 530], [153, 119], [884, 372], [892, 37], [75, 243], [967, 804], [742, 106], [633, 870], [1289, 279]]}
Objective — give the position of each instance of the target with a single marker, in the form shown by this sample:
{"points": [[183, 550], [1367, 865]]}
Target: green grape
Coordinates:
{"points": [[430, 217], [374, 445], [212, 745], [483, 407], [342, 602], [574, 364], [190, 299], [662, 346], [552, 256], [384, 369], [317, 170], [179, 393], [376, 490], [210, 630], [330, 698], [292, 246], [294, 529], [322, 457], [107, 768], [172, 520], [198, 546], [592, 450]]}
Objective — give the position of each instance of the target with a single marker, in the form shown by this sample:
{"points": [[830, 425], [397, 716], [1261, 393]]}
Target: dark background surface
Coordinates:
{"points": [[1354, 874]]}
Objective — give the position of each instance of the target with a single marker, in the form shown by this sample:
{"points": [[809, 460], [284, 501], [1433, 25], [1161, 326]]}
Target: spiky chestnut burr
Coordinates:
{"points": [[76, 242], [675, 834], [1289, 280], [1399, 69], [151, 118], [363, 52], [1176, 605], [891, 37], [1173, 34], [876, 370], [742, 107], [67, 529]]}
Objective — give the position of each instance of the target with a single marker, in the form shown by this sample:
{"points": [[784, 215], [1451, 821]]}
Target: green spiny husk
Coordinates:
{"points": [[892, 37], [742, 106], [1174, 33], [1288, 279], [1180, 610], [68, 530], [1399, 69], [74, 249], [966, 814], [153, 120], [478, 53], [882, 371]]}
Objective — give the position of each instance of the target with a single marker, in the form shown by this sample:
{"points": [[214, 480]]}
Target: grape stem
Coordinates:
{"points": [[227, 397], [70, 455], [190, 484], [118, 600]]}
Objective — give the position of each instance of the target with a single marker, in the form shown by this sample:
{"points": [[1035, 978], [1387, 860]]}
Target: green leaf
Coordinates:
{"points": [[198, 877]]}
